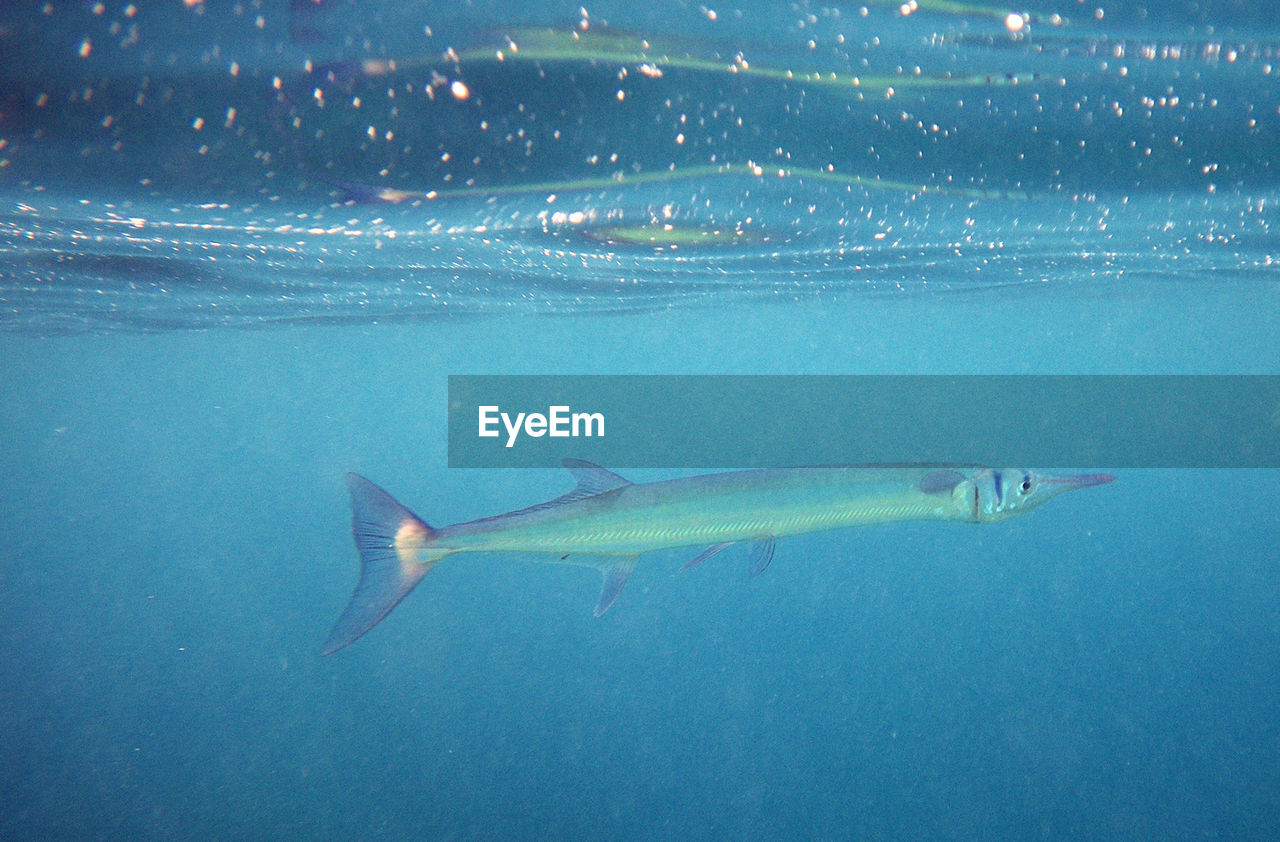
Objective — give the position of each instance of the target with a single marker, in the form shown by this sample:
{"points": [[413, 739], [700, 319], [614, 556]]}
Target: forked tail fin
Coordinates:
{"points": [[395, 553]]}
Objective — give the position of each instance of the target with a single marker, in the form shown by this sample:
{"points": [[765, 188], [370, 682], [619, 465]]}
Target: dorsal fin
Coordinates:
{"points": [[592, 479], [593, 482]]}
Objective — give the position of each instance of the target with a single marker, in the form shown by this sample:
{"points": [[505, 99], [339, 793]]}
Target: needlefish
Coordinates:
{"points": [[607, 522]]}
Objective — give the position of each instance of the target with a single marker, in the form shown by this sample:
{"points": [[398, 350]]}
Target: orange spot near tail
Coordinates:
{"points": [[410, 538]]}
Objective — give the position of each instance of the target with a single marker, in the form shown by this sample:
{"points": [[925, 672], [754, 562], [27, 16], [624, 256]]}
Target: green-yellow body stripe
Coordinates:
{"points": [[718, 508]]}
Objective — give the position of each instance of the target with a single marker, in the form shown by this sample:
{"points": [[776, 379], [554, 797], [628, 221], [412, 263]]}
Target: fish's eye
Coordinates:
{"points": [[1026, 484]]}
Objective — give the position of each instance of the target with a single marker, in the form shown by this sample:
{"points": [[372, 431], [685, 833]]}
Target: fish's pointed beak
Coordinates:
{"points": [[1068, 481]]}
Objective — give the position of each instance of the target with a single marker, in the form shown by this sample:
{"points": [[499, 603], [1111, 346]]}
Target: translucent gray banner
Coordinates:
{"points": [[702, 421]]}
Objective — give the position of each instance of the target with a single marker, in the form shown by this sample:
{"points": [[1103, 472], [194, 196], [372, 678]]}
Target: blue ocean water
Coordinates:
{"points": [[241, 251]]}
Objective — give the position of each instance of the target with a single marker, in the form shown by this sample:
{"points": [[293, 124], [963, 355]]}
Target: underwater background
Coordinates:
{"points": [[242, 246]]}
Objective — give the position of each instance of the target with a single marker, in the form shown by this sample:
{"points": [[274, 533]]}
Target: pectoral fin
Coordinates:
{"points": [[941, 482], [615, 576], [761, 555]]}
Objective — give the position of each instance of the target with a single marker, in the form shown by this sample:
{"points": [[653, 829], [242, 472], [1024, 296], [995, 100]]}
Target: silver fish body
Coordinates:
{"points": [[607, 522]]}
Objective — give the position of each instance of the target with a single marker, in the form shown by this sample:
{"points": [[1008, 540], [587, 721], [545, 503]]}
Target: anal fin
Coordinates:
{"points": [[615, 574]]}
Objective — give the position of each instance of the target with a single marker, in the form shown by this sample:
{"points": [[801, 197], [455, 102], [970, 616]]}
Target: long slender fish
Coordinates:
{"points": [[607, 522]]}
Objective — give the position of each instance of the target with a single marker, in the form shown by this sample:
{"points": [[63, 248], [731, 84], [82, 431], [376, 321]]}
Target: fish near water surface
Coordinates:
{"points": [[607, 522]]}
